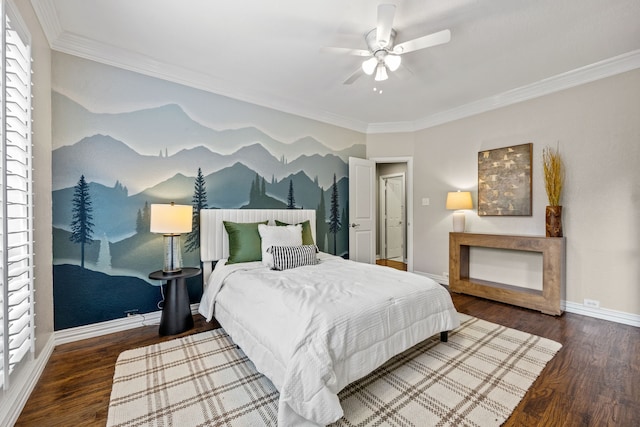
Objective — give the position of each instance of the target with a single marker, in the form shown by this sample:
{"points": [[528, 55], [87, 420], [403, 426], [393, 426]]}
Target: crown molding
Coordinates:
{"points": [[127, 60], [391, 127], [99, 52], [599, 70], [46, 12], [82, 47]]}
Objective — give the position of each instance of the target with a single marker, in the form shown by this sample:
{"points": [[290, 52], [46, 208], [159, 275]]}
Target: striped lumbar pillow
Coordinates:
{"points": [[285, 257]]}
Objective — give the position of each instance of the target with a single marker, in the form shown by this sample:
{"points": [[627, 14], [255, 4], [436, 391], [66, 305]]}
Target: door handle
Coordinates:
{"points": [[354, 225]]}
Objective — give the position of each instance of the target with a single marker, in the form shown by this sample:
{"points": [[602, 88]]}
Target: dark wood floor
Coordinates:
{"points": [[594, 380], [399, 265]]}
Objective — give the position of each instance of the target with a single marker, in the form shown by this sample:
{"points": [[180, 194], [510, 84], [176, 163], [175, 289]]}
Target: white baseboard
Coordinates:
{"points": [[12, 402], [603, 313], [572, 307], [97, 329], [103, 328], [440, 279]]}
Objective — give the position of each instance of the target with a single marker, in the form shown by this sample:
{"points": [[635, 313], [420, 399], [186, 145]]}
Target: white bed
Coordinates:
{"points": [[314, 329]]}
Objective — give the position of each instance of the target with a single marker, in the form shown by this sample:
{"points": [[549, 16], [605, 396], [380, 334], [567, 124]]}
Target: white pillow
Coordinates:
{"points": [[273, 235]]}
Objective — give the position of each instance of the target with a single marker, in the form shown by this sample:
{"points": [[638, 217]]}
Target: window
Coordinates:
{"points": [[16, 216]]}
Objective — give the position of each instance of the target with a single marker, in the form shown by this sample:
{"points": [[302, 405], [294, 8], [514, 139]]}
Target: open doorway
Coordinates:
{"points": [[392, 217], [393, 245]]}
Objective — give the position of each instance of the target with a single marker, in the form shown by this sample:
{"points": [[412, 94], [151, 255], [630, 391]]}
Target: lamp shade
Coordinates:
{"points": [[459, 200], [369, 66], [393, 62], [381, 73], [171, 219]]}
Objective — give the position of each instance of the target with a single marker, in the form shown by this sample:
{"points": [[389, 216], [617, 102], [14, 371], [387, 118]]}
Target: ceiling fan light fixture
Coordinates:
{"points": [[392, 61], [369, 66], [383, 54], [381, 73]]}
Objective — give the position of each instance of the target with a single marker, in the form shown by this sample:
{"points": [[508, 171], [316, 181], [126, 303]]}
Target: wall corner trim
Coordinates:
{"points": [[11, 404]]}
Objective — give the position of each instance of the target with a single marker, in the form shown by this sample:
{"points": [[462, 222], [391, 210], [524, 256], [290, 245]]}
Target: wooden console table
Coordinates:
{"points": [[553, 274]]}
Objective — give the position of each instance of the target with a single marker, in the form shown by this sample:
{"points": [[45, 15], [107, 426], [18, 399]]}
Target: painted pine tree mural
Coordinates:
{"points": [[334, 215], [139, 224], [321, 223], [82, 217], [143, 219], [291, 200], [258, 191], [199, 201]]}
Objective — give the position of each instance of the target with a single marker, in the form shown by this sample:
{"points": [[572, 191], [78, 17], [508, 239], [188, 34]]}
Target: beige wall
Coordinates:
{"points": [[598, 131], [387, 145], [42, 175]]}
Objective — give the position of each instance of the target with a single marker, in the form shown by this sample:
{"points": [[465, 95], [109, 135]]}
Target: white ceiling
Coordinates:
{"points": [[268, 52]]}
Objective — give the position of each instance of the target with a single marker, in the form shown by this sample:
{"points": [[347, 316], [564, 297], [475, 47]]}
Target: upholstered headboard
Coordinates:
{"points": [[214, 242]]}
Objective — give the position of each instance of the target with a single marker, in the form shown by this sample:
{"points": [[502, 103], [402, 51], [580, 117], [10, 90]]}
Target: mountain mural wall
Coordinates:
{"points": [[113, 166]]}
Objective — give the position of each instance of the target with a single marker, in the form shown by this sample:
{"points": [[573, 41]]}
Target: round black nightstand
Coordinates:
{"points": [[176, 312]]}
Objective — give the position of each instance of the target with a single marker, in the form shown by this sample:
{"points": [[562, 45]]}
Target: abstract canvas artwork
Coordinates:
{"points": [[504, 181]]}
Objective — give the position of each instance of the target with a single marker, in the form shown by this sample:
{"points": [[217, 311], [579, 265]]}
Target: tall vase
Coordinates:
{"points": [[553, 221]]}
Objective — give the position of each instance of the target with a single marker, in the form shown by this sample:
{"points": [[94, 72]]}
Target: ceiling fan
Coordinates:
{"points": [[382, 53]]}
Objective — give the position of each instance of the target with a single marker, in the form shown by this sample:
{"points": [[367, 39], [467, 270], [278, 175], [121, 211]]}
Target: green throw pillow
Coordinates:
{"points": [[307, 236], [244, 241]]}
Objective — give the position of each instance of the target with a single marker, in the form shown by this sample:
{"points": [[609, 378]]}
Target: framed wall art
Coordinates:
{"points": [[504, 181]]}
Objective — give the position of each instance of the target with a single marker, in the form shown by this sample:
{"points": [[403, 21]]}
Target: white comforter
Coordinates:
{"points": [[313, 330]]}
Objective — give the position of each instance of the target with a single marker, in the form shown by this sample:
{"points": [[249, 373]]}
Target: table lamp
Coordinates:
{"points": [[171, 220], [458, 201]]}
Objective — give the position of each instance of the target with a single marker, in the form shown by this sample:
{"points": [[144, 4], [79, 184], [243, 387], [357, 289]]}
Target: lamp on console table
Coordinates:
{"points": [[458, 201], [171, 220]]}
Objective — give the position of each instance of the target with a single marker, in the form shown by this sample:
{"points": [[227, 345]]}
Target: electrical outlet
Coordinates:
{"points": [[592, 303], [425, 201], [129, 313], [446, 274]]}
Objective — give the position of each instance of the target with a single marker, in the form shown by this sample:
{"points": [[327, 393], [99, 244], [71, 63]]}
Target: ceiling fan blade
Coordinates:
{"points": [[430, 40], [385, 23], [345, 51], [353, 77]]}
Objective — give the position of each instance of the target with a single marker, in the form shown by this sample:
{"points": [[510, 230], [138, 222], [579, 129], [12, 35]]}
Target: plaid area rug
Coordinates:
{"points": [[475, 379]]}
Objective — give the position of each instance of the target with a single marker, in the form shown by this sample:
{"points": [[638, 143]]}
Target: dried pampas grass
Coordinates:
{"points": [[553, 175]]}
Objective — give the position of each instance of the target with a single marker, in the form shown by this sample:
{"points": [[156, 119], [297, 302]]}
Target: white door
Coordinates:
{"points": [[394, 218], [362, 222]]}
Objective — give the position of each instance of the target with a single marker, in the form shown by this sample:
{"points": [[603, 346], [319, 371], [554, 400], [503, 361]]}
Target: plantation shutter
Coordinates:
{"points": [[16, 225]]}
